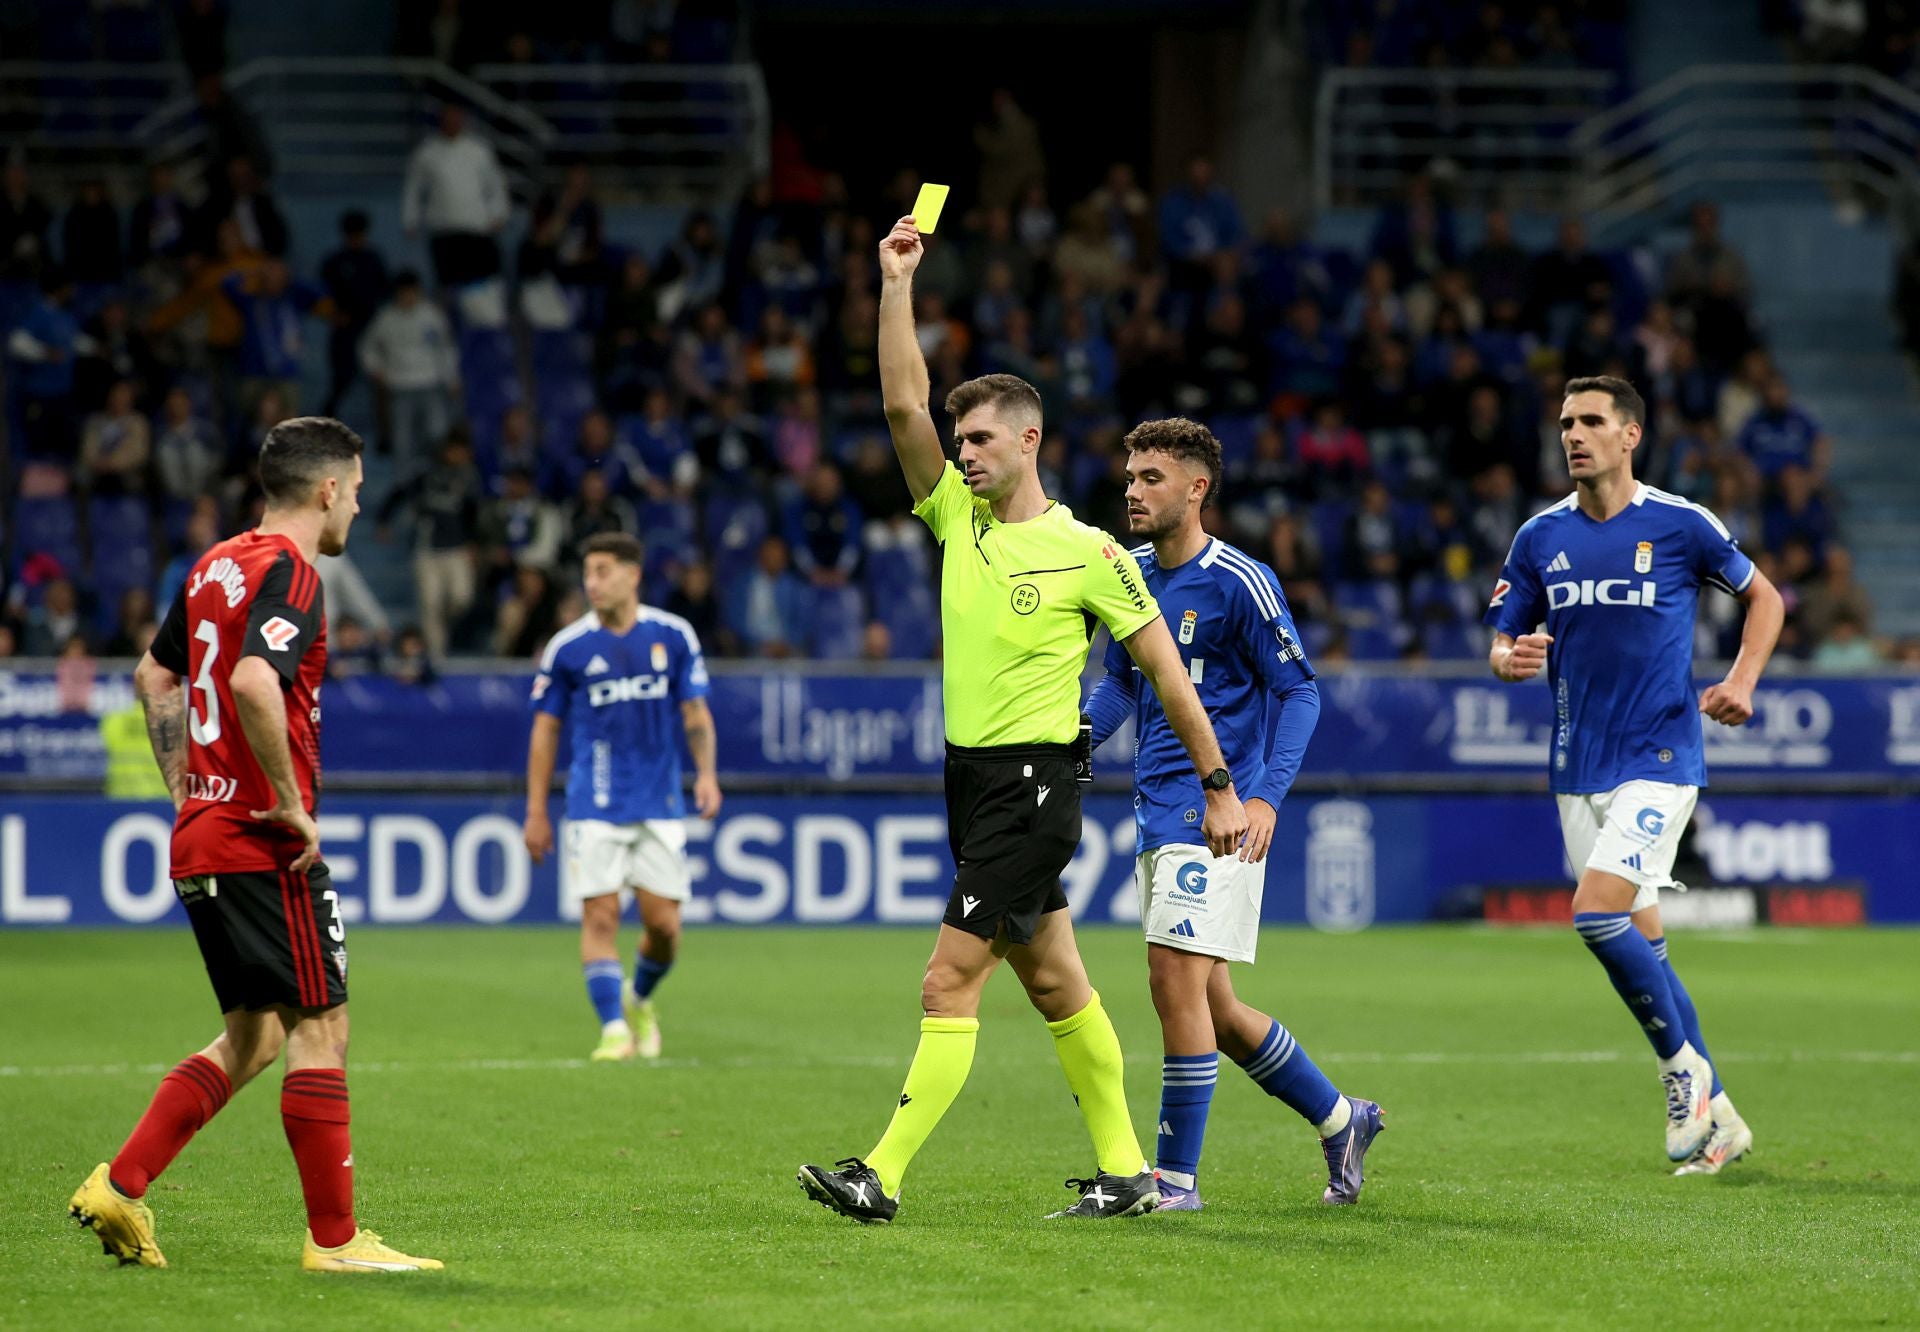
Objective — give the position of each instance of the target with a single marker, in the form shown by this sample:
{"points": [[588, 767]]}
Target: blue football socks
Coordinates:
{"points": [[1689, 1019], [603, 989], [1637, 974], [1283, 1070], [1186, 1094], [647, 974]]}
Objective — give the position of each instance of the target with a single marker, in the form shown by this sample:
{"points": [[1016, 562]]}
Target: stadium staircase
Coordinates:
{"points": [[1824, 306], [1822, 264]]}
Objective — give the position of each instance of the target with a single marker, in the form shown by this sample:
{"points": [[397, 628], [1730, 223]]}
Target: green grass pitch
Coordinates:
{"points": [[1521, 1182]]}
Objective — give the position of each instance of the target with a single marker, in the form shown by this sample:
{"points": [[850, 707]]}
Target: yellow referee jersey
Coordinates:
{"points": [[1017, 606]]}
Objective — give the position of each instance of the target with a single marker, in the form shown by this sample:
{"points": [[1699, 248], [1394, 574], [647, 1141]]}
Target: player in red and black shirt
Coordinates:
{"points": [[231, 688]]}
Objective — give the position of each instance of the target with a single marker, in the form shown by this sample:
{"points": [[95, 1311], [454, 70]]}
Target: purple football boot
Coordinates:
{"points": [[1347, 1149], [1173, 1198]]}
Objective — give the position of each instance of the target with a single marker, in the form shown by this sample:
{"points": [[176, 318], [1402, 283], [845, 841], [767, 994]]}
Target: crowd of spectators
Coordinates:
{"points": [[1388, 416]]}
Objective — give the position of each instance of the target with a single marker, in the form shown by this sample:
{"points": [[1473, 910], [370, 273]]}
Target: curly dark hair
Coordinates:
{"points": [[1178, 437]]}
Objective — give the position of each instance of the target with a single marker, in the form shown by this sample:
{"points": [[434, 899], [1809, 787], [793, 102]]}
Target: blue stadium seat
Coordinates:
{"points": [[174, 515], [896, 570], [1456, 641], [660, 455], [120, 536], [47, 526], [488, 397], [1237, 435], [1374, 643], [486, 353], [735, 525], [1631, 295], [561, 403], [561, 352], [1343, 275], [912, 619], [834, 627], [1369, 601], [668, 523], [1330, 526], [1314, 636]]}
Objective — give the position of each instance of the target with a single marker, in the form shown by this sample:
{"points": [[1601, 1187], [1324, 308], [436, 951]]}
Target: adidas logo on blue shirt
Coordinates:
{"points": [[1560, 564], [598, 666]]}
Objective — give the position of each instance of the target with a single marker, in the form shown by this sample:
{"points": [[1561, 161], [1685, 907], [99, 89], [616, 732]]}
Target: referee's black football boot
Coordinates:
{"points": [[852, 1190], [1113, 1195]]}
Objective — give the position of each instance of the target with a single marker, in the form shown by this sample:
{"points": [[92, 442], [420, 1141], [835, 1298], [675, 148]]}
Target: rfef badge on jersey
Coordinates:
{"points": [[1187, 622], [1643, 557]]}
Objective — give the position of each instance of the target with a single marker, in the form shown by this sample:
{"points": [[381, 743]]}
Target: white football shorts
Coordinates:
{"points": [[1633, 831], [607, 858], [1191, 901]]}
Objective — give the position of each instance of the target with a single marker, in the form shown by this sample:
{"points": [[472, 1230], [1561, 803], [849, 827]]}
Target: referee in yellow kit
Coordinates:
{"points": [[1021, 586]]}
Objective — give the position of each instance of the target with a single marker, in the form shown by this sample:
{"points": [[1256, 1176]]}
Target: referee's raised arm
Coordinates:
{"points": [[904, 384]]}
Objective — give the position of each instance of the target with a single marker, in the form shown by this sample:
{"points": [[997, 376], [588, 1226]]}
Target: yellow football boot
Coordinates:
{"points": [[365, 1252], [124, 1225]]}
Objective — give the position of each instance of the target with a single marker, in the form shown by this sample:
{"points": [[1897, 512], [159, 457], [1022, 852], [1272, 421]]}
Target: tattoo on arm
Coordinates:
{"points": [[167, 732]]}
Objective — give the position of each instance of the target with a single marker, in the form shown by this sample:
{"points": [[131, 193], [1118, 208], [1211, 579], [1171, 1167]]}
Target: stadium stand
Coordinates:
{"points": [[1384, 386]]}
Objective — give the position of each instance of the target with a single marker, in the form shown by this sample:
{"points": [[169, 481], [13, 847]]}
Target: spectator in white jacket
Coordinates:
{"points": [[456, 190], [409, 355]]}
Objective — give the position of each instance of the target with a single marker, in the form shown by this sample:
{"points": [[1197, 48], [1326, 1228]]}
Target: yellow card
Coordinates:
{"points": [[926, 208]]}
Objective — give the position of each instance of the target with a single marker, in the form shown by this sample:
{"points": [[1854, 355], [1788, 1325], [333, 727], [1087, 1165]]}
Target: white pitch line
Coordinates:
{"points": [[1416, 1057]]}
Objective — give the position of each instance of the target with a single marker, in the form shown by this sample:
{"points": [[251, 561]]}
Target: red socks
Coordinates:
{"points": [[313, 1107], [188, 1097]]}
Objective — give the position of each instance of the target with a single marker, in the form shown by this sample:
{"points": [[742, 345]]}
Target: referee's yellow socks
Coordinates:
{"points": [[1090, 1056], [938, 1073]]}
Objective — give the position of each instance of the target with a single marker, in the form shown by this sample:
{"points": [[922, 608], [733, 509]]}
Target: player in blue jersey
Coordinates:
{"points": [[1614, 572], [624, 681], [1200, 911]]}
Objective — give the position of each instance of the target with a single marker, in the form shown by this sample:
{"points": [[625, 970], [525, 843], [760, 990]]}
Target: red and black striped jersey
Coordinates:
{"points": [[249, 596]]}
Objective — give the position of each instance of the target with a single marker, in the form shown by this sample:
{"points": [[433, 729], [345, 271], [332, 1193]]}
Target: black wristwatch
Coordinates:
{"points": [[1217, 780]]}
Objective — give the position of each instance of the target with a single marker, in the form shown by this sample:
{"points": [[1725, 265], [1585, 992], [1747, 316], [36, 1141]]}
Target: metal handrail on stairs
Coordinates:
{"points": [[1845, 129], [697, 130], [657, 130], [1503, 134]]}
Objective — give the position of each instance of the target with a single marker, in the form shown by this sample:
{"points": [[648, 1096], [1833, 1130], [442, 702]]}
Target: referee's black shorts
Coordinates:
{"points": [[1013, 821]]}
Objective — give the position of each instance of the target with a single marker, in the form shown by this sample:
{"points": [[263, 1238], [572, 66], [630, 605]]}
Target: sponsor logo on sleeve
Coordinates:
{"points": [[278, 633], [1128, 582]]}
